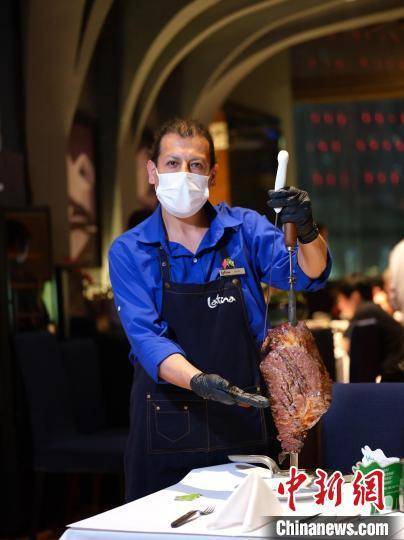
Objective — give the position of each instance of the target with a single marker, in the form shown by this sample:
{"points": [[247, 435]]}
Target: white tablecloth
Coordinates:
{"points": [[149, 518]]}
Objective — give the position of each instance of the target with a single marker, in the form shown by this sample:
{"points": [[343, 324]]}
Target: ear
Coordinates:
{"points": [[152, 172], [213, 173]]}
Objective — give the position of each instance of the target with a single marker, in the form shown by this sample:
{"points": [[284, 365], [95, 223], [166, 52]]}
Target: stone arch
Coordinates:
{"points": [[54, 75], [211, 99]]}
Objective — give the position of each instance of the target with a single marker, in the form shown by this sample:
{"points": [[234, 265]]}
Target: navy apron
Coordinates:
{"points": [[172, 430]]}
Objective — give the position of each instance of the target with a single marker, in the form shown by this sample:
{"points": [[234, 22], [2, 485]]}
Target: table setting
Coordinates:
{"points": [[230, 500]]}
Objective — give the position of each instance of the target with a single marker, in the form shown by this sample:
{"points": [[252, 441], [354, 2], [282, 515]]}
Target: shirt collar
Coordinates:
{"points": [[152, 230]]}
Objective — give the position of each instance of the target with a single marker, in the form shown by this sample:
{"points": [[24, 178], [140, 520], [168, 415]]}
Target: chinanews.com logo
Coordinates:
{"points": [[220, 300], [332, 527]]}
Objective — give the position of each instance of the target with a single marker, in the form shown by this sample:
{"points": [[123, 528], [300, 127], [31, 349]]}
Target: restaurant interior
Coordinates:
{"points": [[85, 83]]}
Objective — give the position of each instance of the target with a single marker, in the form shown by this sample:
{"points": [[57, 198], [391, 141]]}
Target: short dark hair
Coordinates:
{"points": [[355, 283], [184, 128]]}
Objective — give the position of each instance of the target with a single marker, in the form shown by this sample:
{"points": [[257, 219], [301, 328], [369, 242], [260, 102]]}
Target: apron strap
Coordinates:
{"points": [[164, 264]]}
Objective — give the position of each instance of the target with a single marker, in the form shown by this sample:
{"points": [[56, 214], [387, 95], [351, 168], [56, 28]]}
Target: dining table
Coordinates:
{"points": [[150, 517]]}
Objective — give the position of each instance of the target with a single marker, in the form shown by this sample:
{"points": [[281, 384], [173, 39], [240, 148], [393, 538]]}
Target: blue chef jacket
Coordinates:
{"points": [[136, 279]]}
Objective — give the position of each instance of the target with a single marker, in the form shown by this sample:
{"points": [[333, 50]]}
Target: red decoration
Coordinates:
{"points": [[386, 145], [360, 145], [399, 145], [379, 118], [322, 146], [315, 118], [394, 177], [330, 179], [341, 119], [317, 179], [368, 177]]}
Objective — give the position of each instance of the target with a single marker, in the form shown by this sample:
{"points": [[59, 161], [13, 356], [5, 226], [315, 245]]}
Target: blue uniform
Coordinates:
{"points": [[136, 278]]}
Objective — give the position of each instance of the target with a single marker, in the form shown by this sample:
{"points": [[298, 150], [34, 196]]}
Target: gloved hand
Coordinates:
{"points": [[214, 387], [296, 208]]}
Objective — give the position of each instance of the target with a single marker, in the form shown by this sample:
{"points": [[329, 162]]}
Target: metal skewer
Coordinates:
{"points": [[290, 242], [294, 460]]}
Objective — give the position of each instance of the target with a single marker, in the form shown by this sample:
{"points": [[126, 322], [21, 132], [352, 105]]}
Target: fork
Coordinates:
{"points": [[187, 517]]}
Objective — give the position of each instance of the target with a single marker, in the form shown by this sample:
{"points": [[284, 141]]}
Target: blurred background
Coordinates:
{"points": [[84, 84]]}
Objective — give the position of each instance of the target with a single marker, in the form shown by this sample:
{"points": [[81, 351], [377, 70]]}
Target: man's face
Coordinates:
{"points": [[182, 154], [347, 305]]}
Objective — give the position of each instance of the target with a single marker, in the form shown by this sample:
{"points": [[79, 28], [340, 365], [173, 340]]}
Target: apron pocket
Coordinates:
{"points": [[171, 425], [175, 424], [232, 426]]}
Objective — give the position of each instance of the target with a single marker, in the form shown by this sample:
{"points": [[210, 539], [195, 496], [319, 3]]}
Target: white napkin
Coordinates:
{"points": [[251, 505], [369, 456]]}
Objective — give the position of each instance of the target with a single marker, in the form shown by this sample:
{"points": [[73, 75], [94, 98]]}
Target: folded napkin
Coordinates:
{"points": [[370, 456], [251, 506]]}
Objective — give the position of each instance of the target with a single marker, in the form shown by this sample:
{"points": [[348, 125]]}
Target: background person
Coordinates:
{"points": [[396, 268], [354, 301]]}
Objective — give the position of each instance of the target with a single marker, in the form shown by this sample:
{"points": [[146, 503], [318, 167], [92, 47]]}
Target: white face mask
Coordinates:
{"points": [[182, 194]]}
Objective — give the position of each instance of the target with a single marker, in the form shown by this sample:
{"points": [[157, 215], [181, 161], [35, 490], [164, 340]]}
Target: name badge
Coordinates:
{"points": [[232, 272]]}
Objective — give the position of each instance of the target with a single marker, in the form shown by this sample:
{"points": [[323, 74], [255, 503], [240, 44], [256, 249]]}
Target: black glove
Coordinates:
{"points": [[296, 208], [214, 387]]}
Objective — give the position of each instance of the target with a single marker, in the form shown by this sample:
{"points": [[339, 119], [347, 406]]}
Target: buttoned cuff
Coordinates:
{"points": [[155, 352]]}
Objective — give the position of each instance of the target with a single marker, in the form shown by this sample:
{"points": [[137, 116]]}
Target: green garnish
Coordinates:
{"points": [[188, 497]]}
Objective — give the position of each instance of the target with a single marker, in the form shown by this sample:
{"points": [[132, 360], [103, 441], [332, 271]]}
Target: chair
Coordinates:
{"points": [[365, 353], [58, 446], [362, 414], [80, 361]]}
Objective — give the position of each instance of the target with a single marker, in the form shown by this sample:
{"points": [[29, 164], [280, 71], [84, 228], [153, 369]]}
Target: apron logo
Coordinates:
{"points": [[220, 300]]}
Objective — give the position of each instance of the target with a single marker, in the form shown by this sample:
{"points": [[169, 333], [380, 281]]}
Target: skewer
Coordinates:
{"points": [[294, 460]]}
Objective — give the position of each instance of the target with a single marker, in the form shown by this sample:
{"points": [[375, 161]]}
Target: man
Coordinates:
{"points": [[354, 301], [396, 267], [191, 329]]}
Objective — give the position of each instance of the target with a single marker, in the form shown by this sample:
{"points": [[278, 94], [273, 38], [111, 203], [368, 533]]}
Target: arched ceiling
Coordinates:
{"points": [[210, 21], [211, 98], [215, 50], [200, 48], [165, 35]]}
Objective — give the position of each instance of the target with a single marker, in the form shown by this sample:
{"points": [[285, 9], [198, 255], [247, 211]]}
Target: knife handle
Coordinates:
{"points": [[183, 519], [290, 232]]}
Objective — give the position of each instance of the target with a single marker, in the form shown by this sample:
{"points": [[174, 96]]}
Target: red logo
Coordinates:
{"points": [[366, 488]]}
